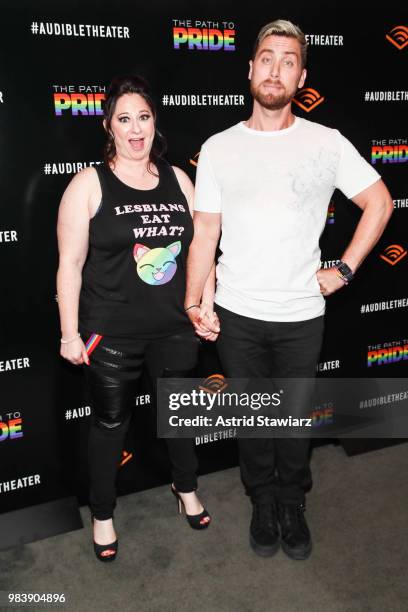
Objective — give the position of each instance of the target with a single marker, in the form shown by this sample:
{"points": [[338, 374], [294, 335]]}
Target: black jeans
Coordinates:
{"points": [[115, 367], [273, 468]]}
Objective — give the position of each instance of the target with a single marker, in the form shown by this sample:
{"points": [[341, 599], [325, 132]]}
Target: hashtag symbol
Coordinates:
{"points": [[165, 100], [34, 27], [367, 96], [68, 414], [47, 169], [362, 309]]}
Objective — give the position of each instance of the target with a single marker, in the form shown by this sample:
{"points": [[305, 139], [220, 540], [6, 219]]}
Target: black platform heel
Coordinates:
{"points": [[105, 552], [196, 521]]}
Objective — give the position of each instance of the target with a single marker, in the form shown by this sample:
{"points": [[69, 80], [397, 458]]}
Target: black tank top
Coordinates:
{"points": [[134, 278]]}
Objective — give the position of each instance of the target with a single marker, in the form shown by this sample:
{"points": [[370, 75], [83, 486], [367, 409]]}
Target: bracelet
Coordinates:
{"points": [[71, 339], [193, 306], [339, 274]]}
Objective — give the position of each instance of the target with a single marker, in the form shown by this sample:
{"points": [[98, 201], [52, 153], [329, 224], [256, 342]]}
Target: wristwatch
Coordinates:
{"points": [[344, 271]]}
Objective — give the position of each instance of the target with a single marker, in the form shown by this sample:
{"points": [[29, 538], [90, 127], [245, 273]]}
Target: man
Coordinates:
{"points": [[266, 184]]}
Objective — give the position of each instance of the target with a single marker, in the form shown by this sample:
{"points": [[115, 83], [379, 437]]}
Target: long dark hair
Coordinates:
{"points": [[124, 84]]}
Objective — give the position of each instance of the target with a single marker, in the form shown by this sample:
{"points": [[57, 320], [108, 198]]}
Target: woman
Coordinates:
{"points": [[130, 221]]}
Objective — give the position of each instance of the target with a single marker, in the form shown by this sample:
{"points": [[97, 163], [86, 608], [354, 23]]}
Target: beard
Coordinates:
{"points": [[271, 101]]}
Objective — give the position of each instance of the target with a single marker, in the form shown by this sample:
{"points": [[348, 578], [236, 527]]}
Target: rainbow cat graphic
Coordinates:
{"points": [[156, 266]]}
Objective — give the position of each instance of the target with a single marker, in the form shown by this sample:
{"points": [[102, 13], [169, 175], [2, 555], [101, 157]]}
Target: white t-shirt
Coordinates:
{"points": [[273, 190]]}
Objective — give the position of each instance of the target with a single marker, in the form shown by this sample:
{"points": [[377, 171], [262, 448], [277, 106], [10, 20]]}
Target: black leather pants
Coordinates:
{"points": [[115, 367]]}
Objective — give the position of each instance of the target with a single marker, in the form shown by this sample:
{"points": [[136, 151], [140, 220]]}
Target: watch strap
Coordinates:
{"points": [[344, 271]]}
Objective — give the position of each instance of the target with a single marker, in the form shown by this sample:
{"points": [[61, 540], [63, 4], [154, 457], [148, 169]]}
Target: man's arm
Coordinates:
{"points": [[207, 299], [377, 206], [207, 315], [207, 229]]}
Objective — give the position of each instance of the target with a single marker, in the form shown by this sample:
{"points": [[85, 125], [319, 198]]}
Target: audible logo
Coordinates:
{"points": [[194, 160], [125, 457], [393, 254], [214, 384], [308, 98], [398, 36]]}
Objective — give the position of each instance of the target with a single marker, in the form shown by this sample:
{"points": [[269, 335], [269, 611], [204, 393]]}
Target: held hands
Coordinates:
{"points": [[75, 352], [205, 321], [329, 281]]}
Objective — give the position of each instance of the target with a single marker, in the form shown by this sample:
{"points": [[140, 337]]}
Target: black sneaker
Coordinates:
{"points": [[263, 531], [295, 535]]}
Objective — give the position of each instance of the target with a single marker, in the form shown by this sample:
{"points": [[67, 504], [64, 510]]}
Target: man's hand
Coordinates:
{"points": [[329, 281], [205, 321]]}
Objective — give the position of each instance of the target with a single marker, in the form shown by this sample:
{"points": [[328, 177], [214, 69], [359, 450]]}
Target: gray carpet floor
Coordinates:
{"points": [[357, 511]]}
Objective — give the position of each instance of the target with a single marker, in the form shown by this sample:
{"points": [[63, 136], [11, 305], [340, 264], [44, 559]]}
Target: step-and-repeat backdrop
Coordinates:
{"points": [[57, 60]]}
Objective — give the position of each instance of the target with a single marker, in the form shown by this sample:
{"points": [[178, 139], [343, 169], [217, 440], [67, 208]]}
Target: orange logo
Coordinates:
{"points": [[393, 254], [398, 36], [125, 457], [194, 160], [214, 384], [308, 98]]}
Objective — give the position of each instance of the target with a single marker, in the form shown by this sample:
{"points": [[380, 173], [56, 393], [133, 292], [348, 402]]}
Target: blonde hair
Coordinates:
{"points": [[281, 27]]}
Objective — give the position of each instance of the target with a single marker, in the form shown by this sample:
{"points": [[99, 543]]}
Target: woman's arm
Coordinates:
{"points": [[78, 204]]}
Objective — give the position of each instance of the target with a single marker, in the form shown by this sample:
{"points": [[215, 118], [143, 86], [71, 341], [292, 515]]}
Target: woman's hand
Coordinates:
{"points": [[75, 352], [205, 321]]}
